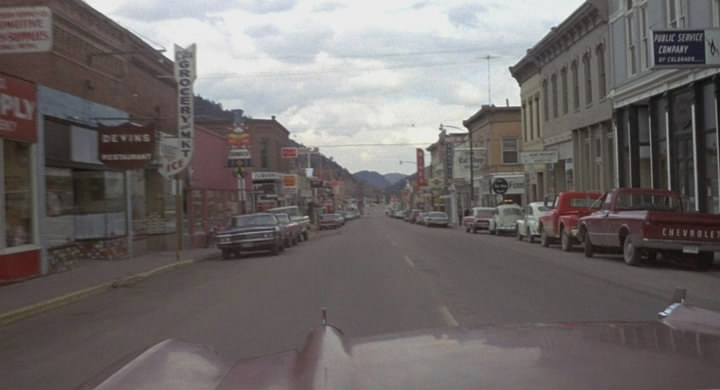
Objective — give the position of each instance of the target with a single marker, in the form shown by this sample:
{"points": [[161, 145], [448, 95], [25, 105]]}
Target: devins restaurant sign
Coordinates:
{"points": [[126, 146]]}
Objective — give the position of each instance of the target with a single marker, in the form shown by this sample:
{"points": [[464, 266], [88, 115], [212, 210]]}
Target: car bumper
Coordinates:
{"points": [[506, 228], [681, 246], [265, 243]]}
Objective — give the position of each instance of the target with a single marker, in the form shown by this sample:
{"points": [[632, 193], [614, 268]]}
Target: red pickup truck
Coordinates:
{"points": [[644, 222], [561, 222]]}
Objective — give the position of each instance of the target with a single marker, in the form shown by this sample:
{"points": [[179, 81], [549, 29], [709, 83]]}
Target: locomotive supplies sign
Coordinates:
{"points": [[685, 48], [25, 30], [185, 74]]}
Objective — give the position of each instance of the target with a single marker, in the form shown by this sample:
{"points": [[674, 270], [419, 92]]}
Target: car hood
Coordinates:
{"points": [[602, 355], [249, 229]]}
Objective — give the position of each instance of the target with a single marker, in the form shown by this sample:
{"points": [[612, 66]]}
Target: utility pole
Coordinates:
{"points": [[488, 58]]}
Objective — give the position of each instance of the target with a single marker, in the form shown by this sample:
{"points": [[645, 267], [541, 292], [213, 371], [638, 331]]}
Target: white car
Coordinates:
{"points": [[505, 219], [527, 225]]}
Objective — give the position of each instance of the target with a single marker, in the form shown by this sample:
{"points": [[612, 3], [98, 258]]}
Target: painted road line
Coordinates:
{"points": [[409, 261], [447, 316]]}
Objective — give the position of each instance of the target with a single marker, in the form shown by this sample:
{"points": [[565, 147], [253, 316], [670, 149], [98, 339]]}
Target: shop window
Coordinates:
{"points": [[711, 150], [138, 201], [100, 204], [57, 141], [18, 212], [59, 221]]}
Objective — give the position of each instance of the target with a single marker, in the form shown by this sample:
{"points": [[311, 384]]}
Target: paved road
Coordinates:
{"points": [[375, 275]]}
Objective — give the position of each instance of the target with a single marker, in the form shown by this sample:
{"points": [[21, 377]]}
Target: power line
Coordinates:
{"points": [[468, 51], [372, 145], [328, 71]]}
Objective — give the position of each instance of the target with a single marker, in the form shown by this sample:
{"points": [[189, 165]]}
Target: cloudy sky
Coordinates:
{"points": [[338, 73]]}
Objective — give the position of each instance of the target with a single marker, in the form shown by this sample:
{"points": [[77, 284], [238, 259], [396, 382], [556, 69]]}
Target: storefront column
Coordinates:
{"points": [[633, 128], [651, 127], [717, 125], [668, 141], [41, 202], [128, 213]]}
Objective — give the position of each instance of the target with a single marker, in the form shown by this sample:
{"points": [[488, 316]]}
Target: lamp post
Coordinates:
{"points": [[472, 185]]}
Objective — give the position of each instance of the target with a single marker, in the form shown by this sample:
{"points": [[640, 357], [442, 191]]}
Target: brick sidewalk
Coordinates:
{"points": [[88, 274]]}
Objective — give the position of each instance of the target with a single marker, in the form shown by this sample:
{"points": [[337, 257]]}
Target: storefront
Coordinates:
{"points": [[267, 190], [670, 141], [20, 255]]}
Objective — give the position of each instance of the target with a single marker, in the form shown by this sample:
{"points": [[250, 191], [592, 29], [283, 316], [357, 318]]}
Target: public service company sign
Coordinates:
{"points": [[18, 109], [185, 75]]}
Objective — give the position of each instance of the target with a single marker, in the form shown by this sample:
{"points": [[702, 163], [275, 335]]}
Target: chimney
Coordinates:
{"points": [[272, 117], [507, 102]]}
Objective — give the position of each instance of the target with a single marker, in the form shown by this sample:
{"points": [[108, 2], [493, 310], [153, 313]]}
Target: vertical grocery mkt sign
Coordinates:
{"points": [[420, 155], [25, 30], [185, 74]]}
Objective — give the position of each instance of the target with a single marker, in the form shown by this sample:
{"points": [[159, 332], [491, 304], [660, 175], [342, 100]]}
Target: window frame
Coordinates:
{"points": [[715, 4], [576, 84], [587, 70], [602, 71], [546, 108], [34, 233], [679, 20], [564, 86], [630, 45], [516, 151], [554, 87], [644, 48]]}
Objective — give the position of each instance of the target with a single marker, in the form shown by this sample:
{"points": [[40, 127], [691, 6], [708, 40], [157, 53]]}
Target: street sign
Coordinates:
{"points": [[289, 152], [239, 154], [539, 157], [675, 48], [500, 186]]}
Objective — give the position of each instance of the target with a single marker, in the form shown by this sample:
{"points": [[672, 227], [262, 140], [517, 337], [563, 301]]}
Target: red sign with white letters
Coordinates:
{"points": [[18, 109]]}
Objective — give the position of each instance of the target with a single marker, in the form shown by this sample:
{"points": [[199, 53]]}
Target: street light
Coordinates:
{"points": [[472, 185]]}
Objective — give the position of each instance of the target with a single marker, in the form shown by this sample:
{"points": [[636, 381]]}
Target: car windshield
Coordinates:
{"points": [[511, 211], [647, 201], [484, 213], [211, 179], [253, 220]]}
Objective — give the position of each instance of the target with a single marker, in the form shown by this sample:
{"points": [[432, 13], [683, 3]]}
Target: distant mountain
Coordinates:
{"points": [[397, 187], [393, 178], [372, 178]]}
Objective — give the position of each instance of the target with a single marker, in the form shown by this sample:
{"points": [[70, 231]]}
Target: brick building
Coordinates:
{"points": [[96, 73]]}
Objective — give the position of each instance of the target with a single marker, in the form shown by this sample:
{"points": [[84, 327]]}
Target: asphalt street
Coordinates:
{"points": [[375, 275]]}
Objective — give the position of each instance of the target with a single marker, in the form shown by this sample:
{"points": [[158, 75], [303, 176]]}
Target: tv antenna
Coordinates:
{"points": [[488, 58]]}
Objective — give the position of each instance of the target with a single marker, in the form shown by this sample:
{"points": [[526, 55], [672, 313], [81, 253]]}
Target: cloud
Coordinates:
{"points": [[328, 7], [267, 6], [466, 15], [262, 31], [154, 11]]}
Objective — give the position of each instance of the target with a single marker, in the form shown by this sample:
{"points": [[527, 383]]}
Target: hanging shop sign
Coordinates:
{"points": [[289, 181], [289, 152], [420, 161], [25, 30], [185, 74], [127, 146], [18, 109]]}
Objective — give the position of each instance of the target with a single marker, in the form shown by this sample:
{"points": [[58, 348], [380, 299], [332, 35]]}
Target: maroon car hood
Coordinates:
{"points": [[674, 354]]}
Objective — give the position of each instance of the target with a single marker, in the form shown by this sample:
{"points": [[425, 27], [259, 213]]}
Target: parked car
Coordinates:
{"points": [[249, 232], [292, 233], [420, 220], [561, 221], [527, 226], [413, 215], [644, 222], [437, 218], [329, 221], [296, 216], [479, 219], [505, 219]]}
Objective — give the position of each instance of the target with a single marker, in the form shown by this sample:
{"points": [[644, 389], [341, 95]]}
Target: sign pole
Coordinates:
{"points": [[178, 216]]}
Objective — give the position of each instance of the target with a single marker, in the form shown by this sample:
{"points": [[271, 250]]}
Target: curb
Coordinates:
{"points": [[54, 303]]}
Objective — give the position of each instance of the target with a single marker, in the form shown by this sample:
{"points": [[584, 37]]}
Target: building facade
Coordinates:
{"points": [[665, 120], [496, 134], [528, 77], [573, 111], [96, 73]]}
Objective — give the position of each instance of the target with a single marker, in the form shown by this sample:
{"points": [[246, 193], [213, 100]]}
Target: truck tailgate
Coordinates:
{"points": [[682, 226]]}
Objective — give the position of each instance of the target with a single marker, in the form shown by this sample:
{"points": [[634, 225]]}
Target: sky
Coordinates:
{"points": [[349, 72]]}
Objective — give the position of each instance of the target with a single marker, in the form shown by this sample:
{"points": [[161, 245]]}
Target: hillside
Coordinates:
{"points": [[393, 178], [373, 178]]}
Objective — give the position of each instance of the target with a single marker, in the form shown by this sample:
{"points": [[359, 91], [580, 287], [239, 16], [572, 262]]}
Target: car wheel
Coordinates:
{"points": [[588, 246], [704, 261], [530, 237], [544, 239], [305, 235], [518, 234], [565, 241], [226, 254], [630, 254]]}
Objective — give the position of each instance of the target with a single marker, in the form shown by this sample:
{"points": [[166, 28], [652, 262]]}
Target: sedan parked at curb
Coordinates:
{"points": [[436, 218], [505, 219], [251, 232], [329, 221], [527, 226]]}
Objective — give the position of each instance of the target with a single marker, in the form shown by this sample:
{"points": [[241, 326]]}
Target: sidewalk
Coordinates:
{"points": [[90, 277]]}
